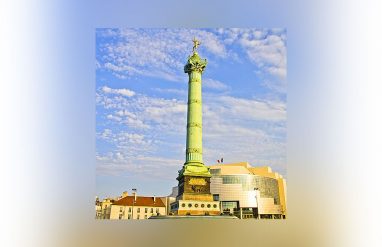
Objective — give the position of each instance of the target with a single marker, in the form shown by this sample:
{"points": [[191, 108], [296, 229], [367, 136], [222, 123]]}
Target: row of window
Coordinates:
{"points": [[129, 216], [138, 210], [268, 187], [196, 205]]}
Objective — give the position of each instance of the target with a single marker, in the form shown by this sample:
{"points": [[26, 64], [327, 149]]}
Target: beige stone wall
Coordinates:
{"points": [[136, 212], [242, 168], [267, 206], [267, 172], [233, 192], [103, 209], [283, 195]]}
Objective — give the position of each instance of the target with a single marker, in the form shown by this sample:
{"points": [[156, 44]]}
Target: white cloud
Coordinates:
{"points": [[248, 109], [237, 129], [122, 137], [236, 143], [241, 129], [277, 71], [171, 90], [113, 117], [106, 89], [147, 134], [125, 92], [266, 49], [157, 53], [124, 145], [106, 134], [117, 164], [267, 52], [143, 112], [161, 53], [122, 91], [214, 84]]}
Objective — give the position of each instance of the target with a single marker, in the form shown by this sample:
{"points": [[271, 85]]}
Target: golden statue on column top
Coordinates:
{"points": [[196, 44]]}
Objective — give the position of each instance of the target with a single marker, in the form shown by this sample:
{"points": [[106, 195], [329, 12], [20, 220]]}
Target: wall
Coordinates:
{"points": [[116, 212]]}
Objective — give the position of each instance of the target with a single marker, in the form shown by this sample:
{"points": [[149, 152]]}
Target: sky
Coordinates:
{"points": [[141, 103]]}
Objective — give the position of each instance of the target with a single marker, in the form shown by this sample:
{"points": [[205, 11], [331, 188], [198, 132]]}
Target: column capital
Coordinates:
{"points": [[195, 63]]}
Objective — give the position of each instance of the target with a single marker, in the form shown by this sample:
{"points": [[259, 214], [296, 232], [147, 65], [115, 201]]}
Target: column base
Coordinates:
{"points": [[195, 207], [194, 169]]}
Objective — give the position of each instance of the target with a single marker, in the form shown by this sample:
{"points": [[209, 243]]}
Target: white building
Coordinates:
{"points": [[137, 207], [248, 192]]}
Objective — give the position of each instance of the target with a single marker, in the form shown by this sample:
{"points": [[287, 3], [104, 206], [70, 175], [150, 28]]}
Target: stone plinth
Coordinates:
{"points": [[195, 207]]}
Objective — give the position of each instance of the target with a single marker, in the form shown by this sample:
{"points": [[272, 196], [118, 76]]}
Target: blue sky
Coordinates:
{"points": [[141, 95]]}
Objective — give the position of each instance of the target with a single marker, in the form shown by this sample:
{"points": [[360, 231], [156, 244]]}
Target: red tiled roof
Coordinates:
{"points": [[141, 201]]}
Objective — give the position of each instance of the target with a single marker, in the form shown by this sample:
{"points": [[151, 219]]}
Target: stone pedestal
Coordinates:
{"points": [[194, 188], [194, 207], [194, 197]]}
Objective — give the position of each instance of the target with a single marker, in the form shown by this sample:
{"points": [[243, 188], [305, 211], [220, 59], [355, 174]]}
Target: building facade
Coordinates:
{"points": [[248, 192], [103, 208], [137, 208]]}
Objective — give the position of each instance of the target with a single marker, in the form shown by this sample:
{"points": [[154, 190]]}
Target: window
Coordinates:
{"points": [[202, 205], [129, 216], [145, 216], [120, 216], [183, 205], [138, 210], [146, 210], [227, 205], [189, 205], [216, 197], [215, 205], [152, 210], [129, 210], [208, 205], [138, 216], [157, 210], [196, 205], [120, 209]]}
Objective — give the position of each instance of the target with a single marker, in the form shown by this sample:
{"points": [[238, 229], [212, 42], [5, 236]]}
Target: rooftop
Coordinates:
{"points": [[141, 201], [245, 168]]}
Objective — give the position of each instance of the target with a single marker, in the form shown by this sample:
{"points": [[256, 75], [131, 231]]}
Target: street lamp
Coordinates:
{"points": [[257, 201]]}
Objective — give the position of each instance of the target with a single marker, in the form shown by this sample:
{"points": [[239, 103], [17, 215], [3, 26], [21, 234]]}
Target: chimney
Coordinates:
{"points": [[124, 194], [154, 199], [135, 194]]}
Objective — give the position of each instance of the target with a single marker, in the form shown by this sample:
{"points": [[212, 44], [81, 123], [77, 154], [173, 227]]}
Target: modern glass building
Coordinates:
{"points": [[248, 192]]}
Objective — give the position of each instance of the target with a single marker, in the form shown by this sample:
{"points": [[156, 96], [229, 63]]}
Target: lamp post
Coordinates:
{"points": [[257, 201]]}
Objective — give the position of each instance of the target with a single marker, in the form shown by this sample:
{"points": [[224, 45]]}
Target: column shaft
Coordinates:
{"points": [[194, 147]]}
